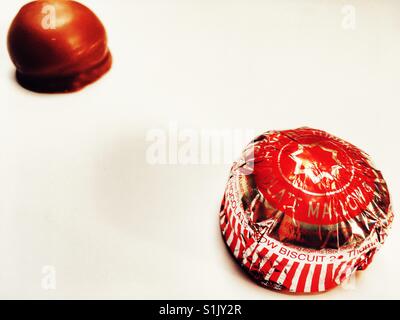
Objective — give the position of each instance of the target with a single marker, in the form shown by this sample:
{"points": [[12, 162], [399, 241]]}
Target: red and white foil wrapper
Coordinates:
{"points": [[303, 210]]}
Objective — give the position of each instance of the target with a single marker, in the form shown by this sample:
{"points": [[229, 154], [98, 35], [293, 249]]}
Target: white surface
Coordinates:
{"points": [[77, 193]]}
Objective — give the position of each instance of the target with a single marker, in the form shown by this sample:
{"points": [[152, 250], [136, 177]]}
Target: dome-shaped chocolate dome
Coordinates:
{"points": [[58, 46]]}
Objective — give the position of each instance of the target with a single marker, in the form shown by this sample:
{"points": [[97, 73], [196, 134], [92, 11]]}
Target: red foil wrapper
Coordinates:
{"points": [[303, 210]]}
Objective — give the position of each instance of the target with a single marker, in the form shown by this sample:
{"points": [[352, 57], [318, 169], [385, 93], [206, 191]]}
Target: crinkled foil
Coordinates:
{"points": [[303, 210]]}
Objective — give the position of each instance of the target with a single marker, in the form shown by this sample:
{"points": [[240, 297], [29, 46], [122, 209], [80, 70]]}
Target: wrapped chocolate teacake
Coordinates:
{"points": [[303, 210]]}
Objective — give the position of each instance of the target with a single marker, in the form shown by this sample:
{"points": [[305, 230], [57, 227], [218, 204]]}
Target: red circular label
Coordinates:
{"points": [[312, 176]]}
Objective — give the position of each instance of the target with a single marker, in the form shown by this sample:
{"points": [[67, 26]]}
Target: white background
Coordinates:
{"points": [[77, 193]]}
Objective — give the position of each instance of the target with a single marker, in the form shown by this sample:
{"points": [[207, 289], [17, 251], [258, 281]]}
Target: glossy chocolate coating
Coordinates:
{"points": [[58, 46]]}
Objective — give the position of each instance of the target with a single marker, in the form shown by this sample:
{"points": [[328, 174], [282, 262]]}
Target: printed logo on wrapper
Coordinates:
{"points": [[314, 178]]}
